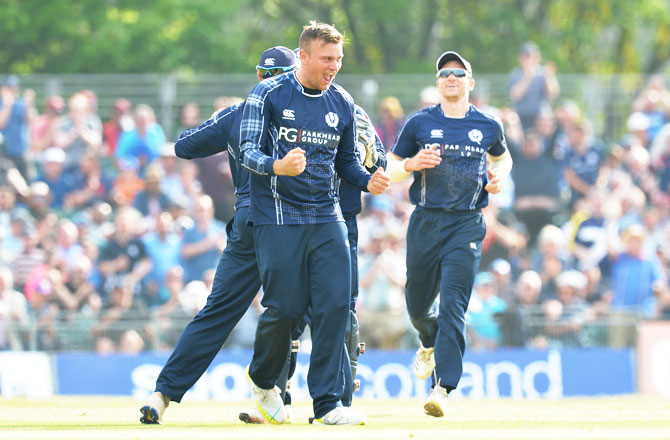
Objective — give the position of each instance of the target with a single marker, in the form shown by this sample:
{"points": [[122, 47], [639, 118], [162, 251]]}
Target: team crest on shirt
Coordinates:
{"points": [[332, 119], [476, 136]]}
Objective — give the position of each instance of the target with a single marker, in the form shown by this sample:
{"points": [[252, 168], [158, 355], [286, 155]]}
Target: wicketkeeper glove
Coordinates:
{"points": [[367, 136]]}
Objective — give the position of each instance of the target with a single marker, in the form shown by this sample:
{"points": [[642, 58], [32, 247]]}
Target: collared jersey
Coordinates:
{"points": [[278, 117], [457, 183], [220, 133]]}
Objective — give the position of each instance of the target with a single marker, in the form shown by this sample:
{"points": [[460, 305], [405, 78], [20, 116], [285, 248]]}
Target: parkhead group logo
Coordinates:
{"points": [[311, 137], [332, 119]]}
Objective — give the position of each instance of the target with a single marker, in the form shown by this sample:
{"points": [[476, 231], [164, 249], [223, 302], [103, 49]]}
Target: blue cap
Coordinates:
{"points": [[278, 57]]}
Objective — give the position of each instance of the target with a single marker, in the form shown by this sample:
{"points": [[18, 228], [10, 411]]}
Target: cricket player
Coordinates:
{"points": [[237, 280], [457, 155], [297, 131]]}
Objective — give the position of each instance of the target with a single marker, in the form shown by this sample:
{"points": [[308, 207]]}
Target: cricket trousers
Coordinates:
{"points": [[236, 283], [302, 266], [443, 254]]}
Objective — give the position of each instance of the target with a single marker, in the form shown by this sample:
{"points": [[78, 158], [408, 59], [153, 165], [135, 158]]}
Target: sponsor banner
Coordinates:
{"points": [[383, 374], [653, 344], [26, 373]]}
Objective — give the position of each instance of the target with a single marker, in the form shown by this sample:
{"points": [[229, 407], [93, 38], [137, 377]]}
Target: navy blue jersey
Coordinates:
{"points": [[280, 116], [457, 183], [220, 133], [350, 196]]}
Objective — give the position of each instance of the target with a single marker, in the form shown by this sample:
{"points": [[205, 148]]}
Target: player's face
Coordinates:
{"points": [[320, 62], [453, 88]]}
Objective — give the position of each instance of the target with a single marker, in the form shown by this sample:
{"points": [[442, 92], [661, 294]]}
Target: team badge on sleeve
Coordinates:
{"points": [[332, 119], [476, 136]]}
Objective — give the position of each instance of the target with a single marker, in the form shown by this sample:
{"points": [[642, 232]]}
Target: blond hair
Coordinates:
{"points": [[319, 32]]}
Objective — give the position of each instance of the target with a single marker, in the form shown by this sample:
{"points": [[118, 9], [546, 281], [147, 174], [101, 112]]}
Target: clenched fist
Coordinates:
{"points": [[292, 164], [378, 182], [426, 158]]}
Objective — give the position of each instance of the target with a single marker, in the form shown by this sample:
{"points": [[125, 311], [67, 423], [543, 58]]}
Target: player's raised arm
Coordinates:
{"points": [[210, 138]]}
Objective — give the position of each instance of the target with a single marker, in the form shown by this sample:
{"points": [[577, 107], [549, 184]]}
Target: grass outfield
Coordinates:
{"points": [[629, 417]]}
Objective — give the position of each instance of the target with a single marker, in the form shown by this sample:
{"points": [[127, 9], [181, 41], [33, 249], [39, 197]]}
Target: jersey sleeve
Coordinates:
{"points": [[210, 138], [253, 132], [499, 145], [406, 144]]}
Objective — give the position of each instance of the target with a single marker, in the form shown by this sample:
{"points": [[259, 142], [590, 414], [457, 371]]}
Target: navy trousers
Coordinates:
{"points": [[443, 254], [303, 265], [236, 283]]}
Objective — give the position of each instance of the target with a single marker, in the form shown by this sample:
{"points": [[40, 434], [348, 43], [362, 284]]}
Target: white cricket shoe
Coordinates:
{"points": [[253, 416], [437, 402], [268, 402], [342, 415], [424, 362], [288, 413], [153, 409]]}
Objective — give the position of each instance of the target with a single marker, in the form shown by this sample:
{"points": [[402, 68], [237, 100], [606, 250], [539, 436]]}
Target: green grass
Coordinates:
{"points": [[629, 417]]}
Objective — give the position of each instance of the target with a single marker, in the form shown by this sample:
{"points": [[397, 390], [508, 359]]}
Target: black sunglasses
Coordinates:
{"points": [[267, 73], [458, 73]]}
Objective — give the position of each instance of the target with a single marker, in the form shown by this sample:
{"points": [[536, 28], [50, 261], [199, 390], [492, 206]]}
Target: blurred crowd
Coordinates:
{"points": [[108, 242]]}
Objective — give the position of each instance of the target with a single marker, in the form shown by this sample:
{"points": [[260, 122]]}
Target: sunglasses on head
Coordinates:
{"points": [[267, 73], [458, 73]]}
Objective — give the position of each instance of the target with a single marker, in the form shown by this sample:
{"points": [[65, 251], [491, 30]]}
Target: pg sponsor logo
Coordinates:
{"points": [[308, 137]]}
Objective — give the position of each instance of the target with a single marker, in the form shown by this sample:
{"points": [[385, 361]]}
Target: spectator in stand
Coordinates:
{"points": [[163, 247], [212, 176], [39, 200], [13, 313], [43, 127], [522, 323], [79, 131], [152, 200], [67, 249], [654, 102], [591, 231], [120, 122], [503, 277], [483, 329], [128, 183], [30, 257], [634, 273], [124, 259], [537, 194], [53, 174], [120, 315], [143, 142], [191, 187], [171, 183], [204, 242], [225, 101], [582, 162], [90, 184], [550, 259], [16, 113], [568, 313], [505, 237], [391, 118], [532, 85], [189, 118]]}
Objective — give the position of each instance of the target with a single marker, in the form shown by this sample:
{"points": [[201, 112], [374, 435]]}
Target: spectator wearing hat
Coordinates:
{"points": [[485, 305], [15, 114], [120, 122], [43, 127], [53, 174], [78, 131], [532, 85]]}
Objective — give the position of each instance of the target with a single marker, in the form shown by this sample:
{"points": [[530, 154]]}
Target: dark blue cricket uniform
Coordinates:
{"points": [[447, 227], [301, 240], [236, 281]]}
